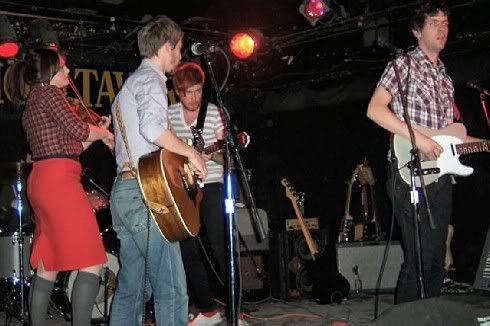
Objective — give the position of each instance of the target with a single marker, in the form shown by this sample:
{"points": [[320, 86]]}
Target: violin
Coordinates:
{"points": [[85, 113]]}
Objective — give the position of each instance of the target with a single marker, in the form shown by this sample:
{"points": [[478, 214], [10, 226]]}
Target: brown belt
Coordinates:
{"points": [[126, 175]]}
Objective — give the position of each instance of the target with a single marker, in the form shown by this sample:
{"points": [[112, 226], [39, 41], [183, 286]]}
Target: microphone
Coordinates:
{"points": [[199, 49], [383, 43], [472, 84]]}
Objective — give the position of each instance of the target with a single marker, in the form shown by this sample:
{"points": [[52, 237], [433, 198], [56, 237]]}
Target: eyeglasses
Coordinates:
{"points": [[434, 23]]}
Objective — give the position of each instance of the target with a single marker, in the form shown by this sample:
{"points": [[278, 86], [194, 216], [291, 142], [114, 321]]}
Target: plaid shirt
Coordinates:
{"points": [[430, 90], [51, 127]]}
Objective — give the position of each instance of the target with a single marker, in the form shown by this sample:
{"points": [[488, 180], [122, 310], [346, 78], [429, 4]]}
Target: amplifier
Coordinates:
{"points": [[245, 225], [360, 263], [482, 278], [293, 224]]}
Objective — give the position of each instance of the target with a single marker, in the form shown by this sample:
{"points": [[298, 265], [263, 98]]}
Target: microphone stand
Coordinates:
{"points": [[415, 170], [229, 202], [484, 107]]}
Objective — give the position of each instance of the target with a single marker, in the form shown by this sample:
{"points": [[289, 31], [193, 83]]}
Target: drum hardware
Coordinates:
{"points": [[17, 304], [61, 297]]}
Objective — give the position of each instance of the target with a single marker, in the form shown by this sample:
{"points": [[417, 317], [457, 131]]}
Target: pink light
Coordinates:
{"points": [[315, 8]]}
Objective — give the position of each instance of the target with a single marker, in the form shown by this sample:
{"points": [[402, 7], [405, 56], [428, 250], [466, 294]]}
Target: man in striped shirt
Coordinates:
{"points": [[188, 82]]}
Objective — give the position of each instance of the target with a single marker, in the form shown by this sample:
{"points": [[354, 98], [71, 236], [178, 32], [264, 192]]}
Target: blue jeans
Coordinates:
{"points": [[165, 270]]}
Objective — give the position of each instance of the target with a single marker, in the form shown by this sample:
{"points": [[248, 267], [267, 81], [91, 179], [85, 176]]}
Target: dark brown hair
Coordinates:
{"points": [[428, 9], [39, 66]]}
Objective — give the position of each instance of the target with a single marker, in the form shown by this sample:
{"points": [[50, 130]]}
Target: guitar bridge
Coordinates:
{"points": [[156, 207]]}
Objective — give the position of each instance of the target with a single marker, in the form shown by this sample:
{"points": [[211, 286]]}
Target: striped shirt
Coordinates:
{"points": [[430, 91], [213, 125]]}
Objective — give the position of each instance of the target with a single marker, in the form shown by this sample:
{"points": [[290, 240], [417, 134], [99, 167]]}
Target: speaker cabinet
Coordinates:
{"points": [[255, 276], [482, 278], [428, 312], [360, 263], [290, 262]]}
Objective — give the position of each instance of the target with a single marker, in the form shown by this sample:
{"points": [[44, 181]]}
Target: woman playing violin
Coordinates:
{"points": [[66, 236]]}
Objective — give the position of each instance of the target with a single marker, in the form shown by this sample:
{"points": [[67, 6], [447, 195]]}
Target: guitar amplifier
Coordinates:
{"points": [[245, 225], [366, 257], [482, 278]]}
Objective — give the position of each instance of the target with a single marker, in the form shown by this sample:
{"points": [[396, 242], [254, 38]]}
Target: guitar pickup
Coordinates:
{"points": [[425, 171], [428, 171]]}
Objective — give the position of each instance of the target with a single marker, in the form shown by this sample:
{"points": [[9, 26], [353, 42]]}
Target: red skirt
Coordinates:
{"points": [[66, 236]]}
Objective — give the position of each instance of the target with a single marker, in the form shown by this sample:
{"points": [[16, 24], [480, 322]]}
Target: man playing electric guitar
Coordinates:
{"points": [[429, 92], [189, 118]]}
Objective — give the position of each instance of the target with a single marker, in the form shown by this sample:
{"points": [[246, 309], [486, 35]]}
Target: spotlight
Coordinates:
{"points": [[9, 47], [313, 10], [42, 34], [244, 44]]}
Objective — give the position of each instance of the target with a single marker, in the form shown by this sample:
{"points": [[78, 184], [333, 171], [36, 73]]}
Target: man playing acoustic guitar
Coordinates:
{"points": [[429, 93], [141, 126]]}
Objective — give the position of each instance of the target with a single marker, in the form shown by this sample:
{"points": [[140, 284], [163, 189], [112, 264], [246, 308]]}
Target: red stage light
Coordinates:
{"points": [[9, 49], [8, 39], [313, 10], [243, 45]]}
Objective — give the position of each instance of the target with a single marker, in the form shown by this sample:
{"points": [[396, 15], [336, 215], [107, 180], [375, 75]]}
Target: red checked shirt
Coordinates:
{"points": [[430, 91], [52, 128]]}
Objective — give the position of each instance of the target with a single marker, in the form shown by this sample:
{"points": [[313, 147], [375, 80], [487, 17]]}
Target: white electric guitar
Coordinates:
{"points": [[451, 139]]}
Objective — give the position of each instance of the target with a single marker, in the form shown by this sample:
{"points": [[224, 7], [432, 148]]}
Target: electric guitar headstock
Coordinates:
{"points": [[365, 174], [293, 196], [198, 141], [290, 191]]}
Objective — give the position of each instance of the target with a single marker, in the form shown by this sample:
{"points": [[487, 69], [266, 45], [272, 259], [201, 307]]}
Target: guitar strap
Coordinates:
{"points": [[122, 127], [200, 119], [202, 115]]}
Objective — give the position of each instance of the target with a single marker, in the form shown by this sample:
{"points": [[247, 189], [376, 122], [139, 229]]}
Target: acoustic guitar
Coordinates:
{"points": [[171, 193]]}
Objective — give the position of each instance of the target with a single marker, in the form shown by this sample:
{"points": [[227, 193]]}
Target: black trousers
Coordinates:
{"points": [[199, 284], [433, 242]]}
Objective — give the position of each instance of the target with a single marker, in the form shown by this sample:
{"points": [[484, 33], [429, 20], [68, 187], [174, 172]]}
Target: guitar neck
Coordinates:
{"points": [[306, 232], [473, 147], [213, 148]]}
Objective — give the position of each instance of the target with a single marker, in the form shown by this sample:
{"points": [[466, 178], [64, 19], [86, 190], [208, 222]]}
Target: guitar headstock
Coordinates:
{"points": [[290, 191], [243, 138], [365, 174], [198, 141]]}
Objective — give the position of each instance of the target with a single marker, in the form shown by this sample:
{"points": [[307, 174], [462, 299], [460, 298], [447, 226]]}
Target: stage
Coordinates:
{"points": [[357, 310]]}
